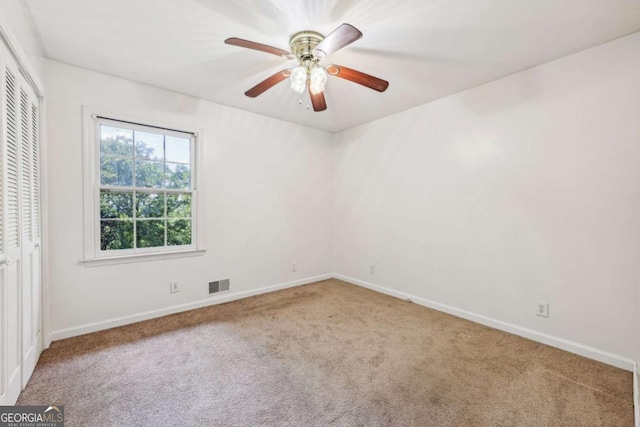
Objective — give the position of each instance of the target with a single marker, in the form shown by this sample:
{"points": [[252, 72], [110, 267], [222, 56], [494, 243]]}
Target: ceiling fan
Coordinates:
{"points": [[308, 48]]}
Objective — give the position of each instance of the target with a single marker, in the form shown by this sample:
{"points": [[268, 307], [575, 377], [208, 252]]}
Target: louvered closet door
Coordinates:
{"points": [[30, 243], [20, 271], [10, 243]]}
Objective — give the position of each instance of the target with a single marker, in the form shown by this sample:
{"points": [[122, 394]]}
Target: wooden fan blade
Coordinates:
{"points": [[318, 101], [268, 83], [342, 36], [358, 77], [234, 41]]}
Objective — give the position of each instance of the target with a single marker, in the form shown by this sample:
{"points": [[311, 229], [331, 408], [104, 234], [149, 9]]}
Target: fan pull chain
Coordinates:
{"points": [[300, 103]]}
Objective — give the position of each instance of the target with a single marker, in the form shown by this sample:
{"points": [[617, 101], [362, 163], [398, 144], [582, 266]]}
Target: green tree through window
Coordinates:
{"points": [[145, 188]]}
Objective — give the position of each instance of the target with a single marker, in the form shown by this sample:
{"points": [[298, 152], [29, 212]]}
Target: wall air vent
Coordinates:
{"points": [[218, 286]]}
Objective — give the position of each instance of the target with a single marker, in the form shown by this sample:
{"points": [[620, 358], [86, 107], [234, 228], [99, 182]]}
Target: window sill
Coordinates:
{"points": [[126, 259]]}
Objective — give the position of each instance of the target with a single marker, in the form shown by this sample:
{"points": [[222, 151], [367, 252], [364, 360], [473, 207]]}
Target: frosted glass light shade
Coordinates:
{"points": [[298, 79], [317, 79]]}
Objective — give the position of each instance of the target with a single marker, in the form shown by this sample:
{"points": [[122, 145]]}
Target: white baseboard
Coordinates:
{"points": [[582, 350], [225, 297]]}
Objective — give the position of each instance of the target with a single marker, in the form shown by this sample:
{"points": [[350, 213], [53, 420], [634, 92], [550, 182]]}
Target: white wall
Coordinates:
{"points": [[520, 190], [523, 189], [14, 15], [266, 191]]}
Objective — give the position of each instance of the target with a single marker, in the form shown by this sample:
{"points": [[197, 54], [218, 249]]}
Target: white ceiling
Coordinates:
{"points": [[426, 49]]}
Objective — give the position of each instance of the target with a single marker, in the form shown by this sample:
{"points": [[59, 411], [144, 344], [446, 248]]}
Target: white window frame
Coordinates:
{"points": [[93, 255]]}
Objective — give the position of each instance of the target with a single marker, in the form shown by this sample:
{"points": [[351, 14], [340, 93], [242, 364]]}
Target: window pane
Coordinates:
{"points": [[179, 205], [115, 204], [116, 235], [178, 149], [178, 176], [116, 171], [145, 182], [150, 233], [149, 146], [178, 232], [149, 205], [149, 174], [116, 141]]}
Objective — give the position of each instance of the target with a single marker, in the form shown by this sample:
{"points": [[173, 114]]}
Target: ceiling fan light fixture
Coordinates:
{"points": [[317, 79], [308, 48], [298, 79]]}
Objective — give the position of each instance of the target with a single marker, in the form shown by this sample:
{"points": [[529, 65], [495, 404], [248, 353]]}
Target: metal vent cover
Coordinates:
{"points": [[218, 286]]}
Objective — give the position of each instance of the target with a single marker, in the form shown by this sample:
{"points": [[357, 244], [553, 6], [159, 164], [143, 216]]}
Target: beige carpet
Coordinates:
{"points": [[325, 354]]}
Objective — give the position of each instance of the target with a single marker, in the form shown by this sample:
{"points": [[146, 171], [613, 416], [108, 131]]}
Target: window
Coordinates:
{"points": [[144, 189]]}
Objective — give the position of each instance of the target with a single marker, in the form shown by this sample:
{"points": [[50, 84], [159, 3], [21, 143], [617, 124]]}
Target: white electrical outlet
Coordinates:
{"points": [[173, 287], [372, 269], [542, 309], [294, 267]]}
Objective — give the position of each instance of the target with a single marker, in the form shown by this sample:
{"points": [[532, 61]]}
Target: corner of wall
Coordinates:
{"points": [[334, 140], [16, 29], [636, 394]]}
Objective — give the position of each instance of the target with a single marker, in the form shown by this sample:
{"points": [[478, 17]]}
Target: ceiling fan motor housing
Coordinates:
{"points": [[303, 45]]}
